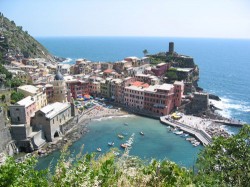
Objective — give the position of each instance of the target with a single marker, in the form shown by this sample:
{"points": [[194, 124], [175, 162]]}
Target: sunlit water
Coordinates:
{"points": [[224, 70]]}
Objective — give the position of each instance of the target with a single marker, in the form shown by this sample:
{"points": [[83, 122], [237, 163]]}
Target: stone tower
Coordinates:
{"points": [[171, 47], [59, 87]]}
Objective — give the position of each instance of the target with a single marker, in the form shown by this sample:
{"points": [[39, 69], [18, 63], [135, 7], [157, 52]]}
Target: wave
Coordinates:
{"points": [[68, 61], [229, 107], [111, 117]]}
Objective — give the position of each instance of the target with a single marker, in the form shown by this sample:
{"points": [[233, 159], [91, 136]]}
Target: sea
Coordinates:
{"points": [[224, 66]]}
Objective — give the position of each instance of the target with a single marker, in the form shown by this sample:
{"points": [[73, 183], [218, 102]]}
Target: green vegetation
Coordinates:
{"points": [[4, 71], [171, 75], [14, 82], [16, 96], [223, 163], [9, 81], [16, 41], [157, 59], [227, 161]]}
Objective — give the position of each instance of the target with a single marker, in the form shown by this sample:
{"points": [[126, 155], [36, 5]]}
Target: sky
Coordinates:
{"points": [[171, 18]]}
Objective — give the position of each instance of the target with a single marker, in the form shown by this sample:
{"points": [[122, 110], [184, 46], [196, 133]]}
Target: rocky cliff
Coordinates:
{"points": [[16, 43]]}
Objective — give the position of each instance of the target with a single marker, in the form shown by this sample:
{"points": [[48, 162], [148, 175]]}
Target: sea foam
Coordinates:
{"points": [[229, 106]]}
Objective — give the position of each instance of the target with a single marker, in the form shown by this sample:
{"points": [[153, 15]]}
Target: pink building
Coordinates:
{"points": [[134, 95], [78, 88], [178, 89], [21, 112], [160, 69], [159, 99], [49, 89]]}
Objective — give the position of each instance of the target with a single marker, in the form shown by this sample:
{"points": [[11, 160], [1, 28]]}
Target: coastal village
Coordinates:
{"points": [[59, 97]]}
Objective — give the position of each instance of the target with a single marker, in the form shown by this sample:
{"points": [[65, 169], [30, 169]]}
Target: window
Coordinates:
{"points": [[18, 118]]}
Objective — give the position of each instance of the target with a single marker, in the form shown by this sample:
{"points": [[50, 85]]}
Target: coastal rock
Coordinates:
{"points": [[214, 97]]}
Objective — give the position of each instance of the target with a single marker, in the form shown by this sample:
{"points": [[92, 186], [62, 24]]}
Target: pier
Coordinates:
{"points": [[201, 135], [230, 122]]}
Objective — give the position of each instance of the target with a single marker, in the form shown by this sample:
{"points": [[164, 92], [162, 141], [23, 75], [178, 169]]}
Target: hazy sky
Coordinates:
{"points": [[178, 18]]}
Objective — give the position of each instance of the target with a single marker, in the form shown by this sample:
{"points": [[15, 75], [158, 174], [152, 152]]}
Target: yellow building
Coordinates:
{"points": [[38, 93]]}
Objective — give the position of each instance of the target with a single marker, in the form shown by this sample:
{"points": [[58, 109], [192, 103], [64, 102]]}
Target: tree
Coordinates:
{"points": [[22, 174], [145, 52], [226, 162], [16, 96], [171, 75]]}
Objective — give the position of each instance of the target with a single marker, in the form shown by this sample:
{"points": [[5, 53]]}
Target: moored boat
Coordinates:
{"points": [[111, 143], [120, 136], [124, 145], [178, 132], [141, 133], [99, 149], [196, 143]]}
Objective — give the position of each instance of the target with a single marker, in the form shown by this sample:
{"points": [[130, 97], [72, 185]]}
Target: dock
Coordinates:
{"points": [[230, 122], [201, 135]]}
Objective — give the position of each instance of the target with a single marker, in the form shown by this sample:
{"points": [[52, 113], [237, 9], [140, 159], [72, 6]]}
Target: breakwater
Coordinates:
{"points": [[201, 135]]}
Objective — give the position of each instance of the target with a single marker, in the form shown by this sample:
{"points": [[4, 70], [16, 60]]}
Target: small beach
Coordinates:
{"points": [[80, 128]]}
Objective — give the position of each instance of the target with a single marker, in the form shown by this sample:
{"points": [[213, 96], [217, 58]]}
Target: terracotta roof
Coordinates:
{"points": [[137, 83], [146, 85], [108, 71]]}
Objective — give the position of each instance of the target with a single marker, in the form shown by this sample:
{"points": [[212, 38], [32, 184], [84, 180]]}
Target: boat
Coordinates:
{"points": [[141, 133], [124, 145], [99, 149], [111, 143], [190, 139], [196, 143], [126, 124], [120, 136], [178, 132]]}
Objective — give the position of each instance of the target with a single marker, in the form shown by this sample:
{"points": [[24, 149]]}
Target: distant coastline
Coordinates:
{"points": [[215, 58]]}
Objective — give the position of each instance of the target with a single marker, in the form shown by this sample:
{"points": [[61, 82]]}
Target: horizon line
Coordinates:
{"points": [[125, 36]]}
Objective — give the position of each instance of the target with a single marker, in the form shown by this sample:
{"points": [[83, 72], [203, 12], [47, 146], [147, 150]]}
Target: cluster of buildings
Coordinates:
{"points": [[51, 90]]}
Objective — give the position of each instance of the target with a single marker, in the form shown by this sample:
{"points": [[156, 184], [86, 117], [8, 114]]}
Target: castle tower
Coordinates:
{"points": [[171, 47], [60, 89]]}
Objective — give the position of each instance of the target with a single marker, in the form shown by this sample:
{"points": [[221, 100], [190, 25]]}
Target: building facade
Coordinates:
{"points": [[38, 93], [51, 118]]}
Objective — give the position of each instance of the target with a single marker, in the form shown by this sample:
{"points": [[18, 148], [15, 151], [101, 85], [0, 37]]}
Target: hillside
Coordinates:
{"points": [[16, 43]]}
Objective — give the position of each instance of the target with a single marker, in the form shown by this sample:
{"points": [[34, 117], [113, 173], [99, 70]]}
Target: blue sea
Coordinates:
{"points": [[224, 71]]}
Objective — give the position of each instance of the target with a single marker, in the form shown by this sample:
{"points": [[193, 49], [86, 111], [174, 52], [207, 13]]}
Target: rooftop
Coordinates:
{"points": [[27, 101], [108, 71], [161, 64], [29, 88], [53, 109], [165, 87], [178, 83], [184, 69]]}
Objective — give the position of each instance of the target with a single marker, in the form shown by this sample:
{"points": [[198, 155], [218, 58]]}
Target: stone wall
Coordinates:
{"points": [[5, 136], [199, 104]]}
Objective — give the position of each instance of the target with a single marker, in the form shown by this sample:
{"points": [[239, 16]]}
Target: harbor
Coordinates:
{"points": [[201, 135], [156, 142]]}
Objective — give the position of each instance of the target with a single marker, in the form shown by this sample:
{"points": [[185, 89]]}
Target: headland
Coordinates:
{"points": [[65, 97]]}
